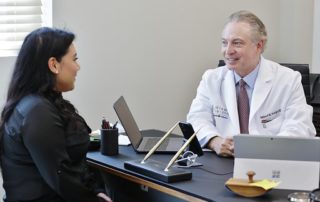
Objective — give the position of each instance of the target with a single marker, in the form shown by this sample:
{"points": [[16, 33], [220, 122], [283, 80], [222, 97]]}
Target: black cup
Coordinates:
{"points": [[109, 142]]}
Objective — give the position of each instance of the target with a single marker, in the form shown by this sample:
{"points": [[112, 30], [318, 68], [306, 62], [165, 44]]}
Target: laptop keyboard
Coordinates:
{"points": [[153, 141]]}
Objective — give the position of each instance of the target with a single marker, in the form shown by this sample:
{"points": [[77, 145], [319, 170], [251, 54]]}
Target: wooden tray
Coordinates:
{"points": [[244, 187]]}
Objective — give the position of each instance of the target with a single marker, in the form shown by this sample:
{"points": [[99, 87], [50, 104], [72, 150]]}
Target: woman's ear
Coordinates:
{"points": [[53, 65]]}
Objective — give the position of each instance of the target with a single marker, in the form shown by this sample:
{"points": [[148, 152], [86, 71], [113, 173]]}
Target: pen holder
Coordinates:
{"points": [[109, 142]]}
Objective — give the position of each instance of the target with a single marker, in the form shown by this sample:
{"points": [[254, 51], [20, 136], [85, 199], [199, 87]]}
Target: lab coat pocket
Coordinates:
{"points": [[221, 121], [273, 126]]}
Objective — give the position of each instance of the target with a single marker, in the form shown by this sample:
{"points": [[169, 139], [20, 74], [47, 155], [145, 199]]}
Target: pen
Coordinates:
{"points": [[115, 125], [105, 124]]}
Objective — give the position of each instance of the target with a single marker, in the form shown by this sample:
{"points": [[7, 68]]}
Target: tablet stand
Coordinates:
{"points": [[159, 170]]}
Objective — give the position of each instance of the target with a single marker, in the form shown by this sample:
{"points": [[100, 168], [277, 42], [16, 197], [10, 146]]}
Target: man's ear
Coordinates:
{"points": [[261, 44], [53, 65]]}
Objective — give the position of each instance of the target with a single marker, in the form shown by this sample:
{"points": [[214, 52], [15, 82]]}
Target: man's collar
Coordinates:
{"points": [[250, 79]]}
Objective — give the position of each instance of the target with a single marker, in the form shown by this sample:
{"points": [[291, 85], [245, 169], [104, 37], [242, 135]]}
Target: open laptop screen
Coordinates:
{"points": [[127, 121]]}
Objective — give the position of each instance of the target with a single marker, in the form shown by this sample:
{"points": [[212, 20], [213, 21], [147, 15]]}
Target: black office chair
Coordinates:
{"points": [[315, 100], [302, 68], [316, 119]]}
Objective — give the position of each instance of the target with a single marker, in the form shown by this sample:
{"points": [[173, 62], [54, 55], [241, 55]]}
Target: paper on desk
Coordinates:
{"points": [[265, 184], [122, 140]]}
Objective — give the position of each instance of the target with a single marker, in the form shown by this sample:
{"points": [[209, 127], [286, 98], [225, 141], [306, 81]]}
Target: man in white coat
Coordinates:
{"points": [[276, 104]]}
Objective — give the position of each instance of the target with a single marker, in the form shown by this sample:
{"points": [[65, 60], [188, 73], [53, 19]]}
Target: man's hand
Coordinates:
{"points": [[222, 146]]}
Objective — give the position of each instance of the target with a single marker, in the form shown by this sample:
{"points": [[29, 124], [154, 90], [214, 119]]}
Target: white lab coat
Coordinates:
{"points": [[278, 104]]}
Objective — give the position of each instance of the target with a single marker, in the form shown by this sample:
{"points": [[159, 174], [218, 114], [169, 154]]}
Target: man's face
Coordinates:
{"points": [[240, 52]]}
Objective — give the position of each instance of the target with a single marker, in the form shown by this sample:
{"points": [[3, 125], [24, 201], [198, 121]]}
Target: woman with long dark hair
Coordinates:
{"points": [[43, 138]]}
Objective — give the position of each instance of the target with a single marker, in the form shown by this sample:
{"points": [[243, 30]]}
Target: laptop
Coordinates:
{"points": [[294, 161], [142, 141]]}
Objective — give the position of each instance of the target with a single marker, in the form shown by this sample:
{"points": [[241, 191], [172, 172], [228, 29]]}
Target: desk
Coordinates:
{"points": [[204, 186]]}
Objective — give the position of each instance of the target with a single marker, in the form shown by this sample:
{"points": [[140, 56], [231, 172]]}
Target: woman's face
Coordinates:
{"points": [[66, 70]]}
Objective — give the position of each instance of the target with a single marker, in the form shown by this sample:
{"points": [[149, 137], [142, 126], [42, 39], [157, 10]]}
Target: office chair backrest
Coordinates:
{"points": [[302, 68], [315, 100]]}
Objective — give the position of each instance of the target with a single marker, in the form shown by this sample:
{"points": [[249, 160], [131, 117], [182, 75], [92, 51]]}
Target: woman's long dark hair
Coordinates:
{"points": [[31, 74]]}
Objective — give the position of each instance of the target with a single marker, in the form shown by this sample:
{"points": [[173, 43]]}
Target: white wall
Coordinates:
{"points": [[6, 68], [316, 38], [154, 51]]}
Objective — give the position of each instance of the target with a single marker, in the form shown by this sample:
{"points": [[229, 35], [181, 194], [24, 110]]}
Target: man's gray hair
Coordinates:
{"points": [[259, 31]]}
